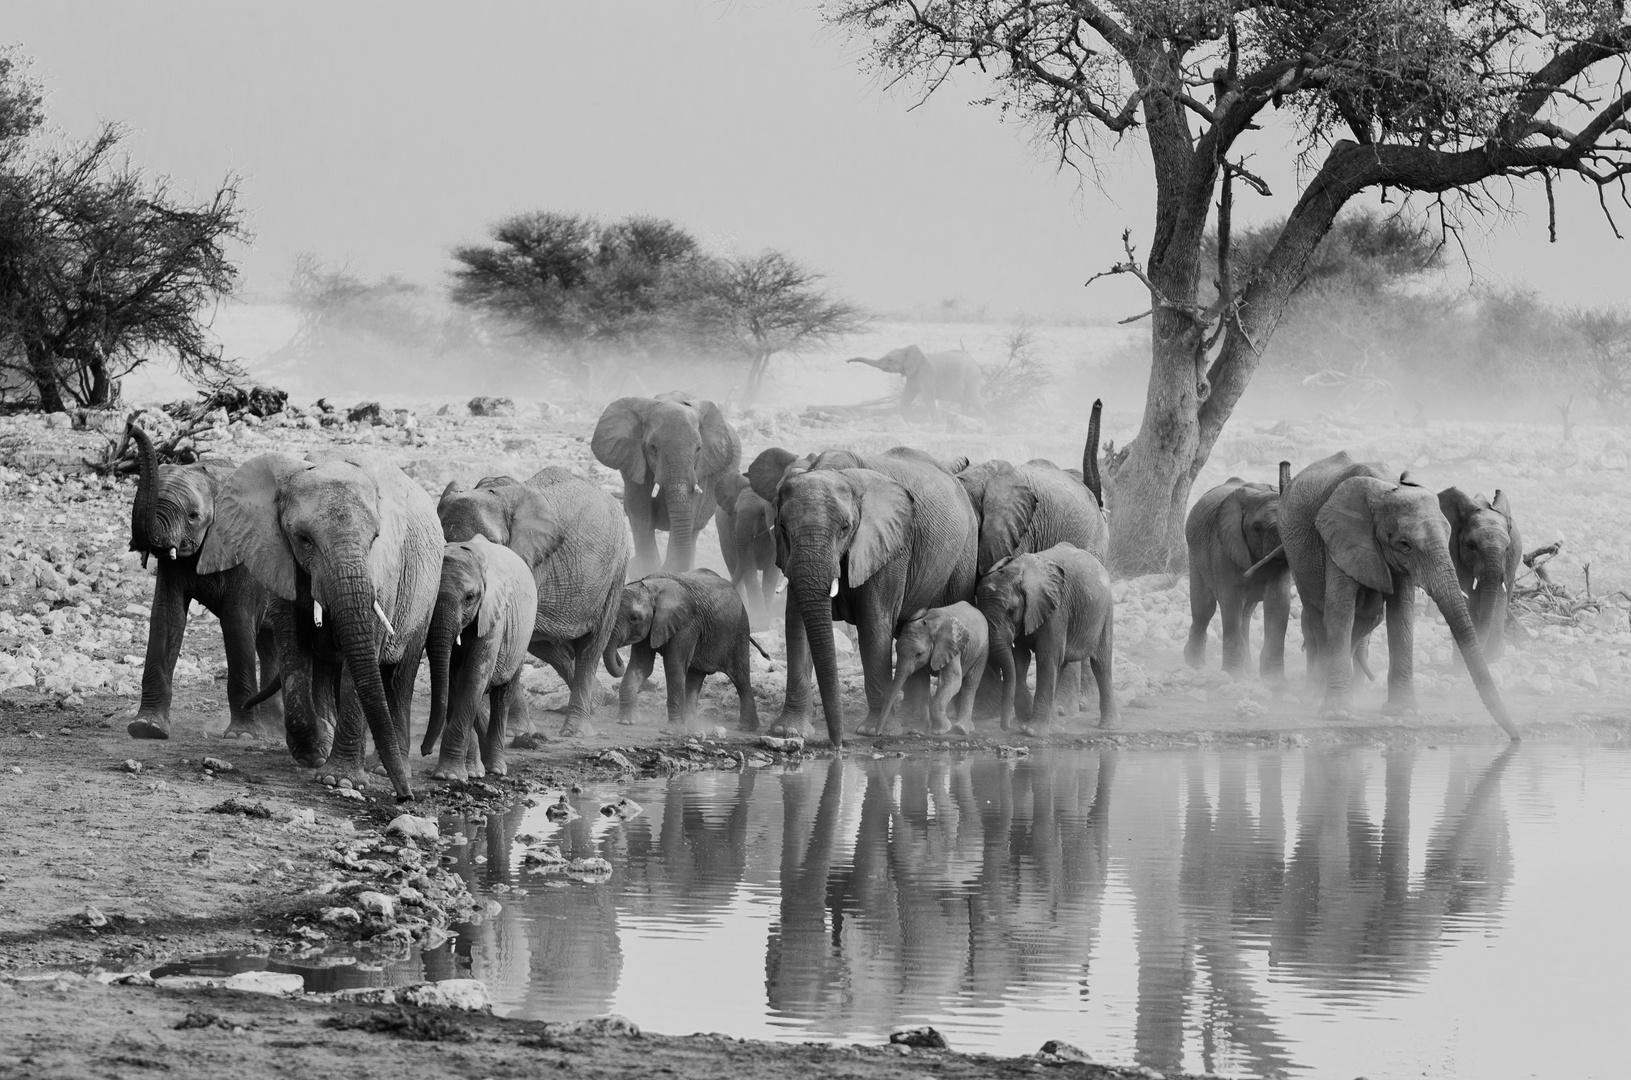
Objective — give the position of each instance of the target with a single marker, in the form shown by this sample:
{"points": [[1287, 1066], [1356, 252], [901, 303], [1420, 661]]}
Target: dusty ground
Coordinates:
{"points": [[95, 820]]}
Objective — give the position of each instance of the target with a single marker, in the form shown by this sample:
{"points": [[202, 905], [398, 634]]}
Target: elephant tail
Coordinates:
{"points": [[754, 642], [271, 688], [1090, 455]]}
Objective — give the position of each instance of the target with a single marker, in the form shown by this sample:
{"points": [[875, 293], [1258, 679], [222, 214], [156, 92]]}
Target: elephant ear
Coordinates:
{"points": [[1501, 506], [1010, 511], [1458, 508], [1232, 533], [765, 474], [667, 612], [726, 489], [1041, 586], [912, 360], [880, 534], [1348, 528], [619, 439], [404, 509], [246, 529], [721, 449], [453, 488], [536, 530], [948, 646]]}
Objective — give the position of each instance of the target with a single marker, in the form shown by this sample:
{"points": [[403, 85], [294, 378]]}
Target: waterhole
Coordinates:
{"points": [[1386, 912]]}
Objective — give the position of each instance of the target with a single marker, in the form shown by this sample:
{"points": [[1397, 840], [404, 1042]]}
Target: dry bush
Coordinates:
{"points": [[1020, 379]]}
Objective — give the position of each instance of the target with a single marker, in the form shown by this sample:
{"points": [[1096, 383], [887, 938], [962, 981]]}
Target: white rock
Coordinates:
{"points": [[267, 982], [376, 903], [1584, 674], [470, 995], [414, 828]]}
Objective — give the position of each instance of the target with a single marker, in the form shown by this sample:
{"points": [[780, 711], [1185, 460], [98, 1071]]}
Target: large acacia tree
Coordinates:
{"points": [[1419, 96]]}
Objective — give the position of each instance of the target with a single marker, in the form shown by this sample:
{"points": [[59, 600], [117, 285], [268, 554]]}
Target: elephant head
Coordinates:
{"points": [[1248, 526], [504, 511], [676, 442], [1374, 530], [907, 360], [1016, 596], [332, 538], [470, 600], [835, 529], [923, 641], [1485, 549], [174, 504], [651, 609]]}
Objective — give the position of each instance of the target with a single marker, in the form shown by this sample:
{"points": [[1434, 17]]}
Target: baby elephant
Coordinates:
{"points": [[951, 642], [1235, 563], [747, 539], [697, 622], [1055, 604], [479, 633]]}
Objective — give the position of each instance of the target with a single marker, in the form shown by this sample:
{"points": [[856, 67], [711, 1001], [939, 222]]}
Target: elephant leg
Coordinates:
{"points": [[693, 696], [769, 578], [1271, 666], [399, 679], [500, 701], [464, 701], [795, 714], [973, 676], [585, 688], [1047, 681], [1337, 657], [641, 662], [637, 504], [916, 703], [1101, 662], [167, 625], [1401, 659], [1068, 691], [515, 716], [239, 627], [951, 681], [1023, 703], [1235, 654], [741, 678], [269, 713], [873, 631], [1202, 603], [674, 674], [345, 761]]}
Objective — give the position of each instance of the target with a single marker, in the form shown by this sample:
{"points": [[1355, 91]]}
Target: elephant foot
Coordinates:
{"points": [[1342, 715], [1195, 656], [498, 768], [240, 727], [962, 730], [1110, 720], [1403, 707], [453, 773], [790, 727], [577, 727], [627, 720], [875, 728], [331, 774], [149, 726]]}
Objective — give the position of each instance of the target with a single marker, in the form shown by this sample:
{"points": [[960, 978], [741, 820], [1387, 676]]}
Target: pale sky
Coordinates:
{"points": [[381, 134]]}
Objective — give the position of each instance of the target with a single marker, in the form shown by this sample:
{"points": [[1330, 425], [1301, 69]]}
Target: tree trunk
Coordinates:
{"points": [[44, 373], [101, 394]]}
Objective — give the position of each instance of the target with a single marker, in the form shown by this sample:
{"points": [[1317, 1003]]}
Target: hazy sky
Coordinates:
{"points": [[381, 134]]}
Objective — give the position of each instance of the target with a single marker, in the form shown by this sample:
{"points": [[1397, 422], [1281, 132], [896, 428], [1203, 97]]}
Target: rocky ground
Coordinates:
{"points": [[118, 854]]}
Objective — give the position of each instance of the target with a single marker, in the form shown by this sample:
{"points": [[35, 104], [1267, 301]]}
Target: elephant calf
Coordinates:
{"points": [[479, 631], [1486, 551], [1235, 563], [951, 642], [697, 622], [747, 540], [1057, 605]]}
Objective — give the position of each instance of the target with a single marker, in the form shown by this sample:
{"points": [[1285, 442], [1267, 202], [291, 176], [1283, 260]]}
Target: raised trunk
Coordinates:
{"points": [[810, 576], [677, 498], [1090, 456], [1445, 591], [144, 514], [444, 628], [359, 633]]}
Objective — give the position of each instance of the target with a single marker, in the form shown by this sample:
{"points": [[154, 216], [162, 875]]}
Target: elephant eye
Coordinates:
{"points": [[1401, 543]]}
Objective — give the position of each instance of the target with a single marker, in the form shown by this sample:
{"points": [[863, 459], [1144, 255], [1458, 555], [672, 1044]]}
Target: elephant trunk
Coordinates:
{"points": [[1002, 656], [1441, 585], [810, 576], [444, 629], [613, 661], [1490, 595], [896, 685], [677, 496], [358, 630], [144, 514], [864, 360], [301, 722], [1090, 455]]}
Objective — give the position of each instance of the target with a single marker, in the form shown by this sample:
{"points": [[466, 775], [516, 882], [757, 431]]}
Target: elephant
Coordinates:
{"points": [[696, 621], [1486, 551], [571, 535], [1054, 603], [862, 539], [1359, 543], [170, 519], [938, 378], [951, 642], [1236, 561], [351, 552], [747, 540], [479, 632], [682, 446]]}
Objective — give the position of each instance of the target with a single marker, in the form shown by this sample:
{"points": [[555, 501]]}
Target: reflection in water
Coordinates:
{"points": [[1187, 910]]}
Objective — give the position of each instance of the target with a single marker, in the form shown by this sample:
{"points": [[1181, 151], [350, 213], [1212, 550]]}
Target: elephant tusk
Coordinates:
{"points": [[172, 554], [458, 639], [379, 609], [834, 590], [781, 586], [317, 612]]}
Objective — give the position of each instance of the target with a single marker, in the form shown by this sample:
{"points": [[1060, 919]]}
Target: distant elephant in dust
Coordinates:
{"points": [[671, 449], [170, 519], [1055, 604], [479, 633], [1236, 561], [1359, 542], [747, 540], [939, 378], [351, 551], [951, 642], [1486, 551], [571, 534], [696, 621]]}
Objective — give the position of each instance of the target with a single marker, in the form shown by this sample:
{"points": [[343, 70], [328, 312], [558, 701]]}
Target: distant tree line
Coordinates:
{"points": [[103, 267]]}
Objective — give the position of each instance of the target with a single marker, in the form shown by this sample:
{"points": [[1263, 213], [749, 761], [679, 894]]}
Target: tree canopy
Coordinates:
{"points": [[1432, 98]]}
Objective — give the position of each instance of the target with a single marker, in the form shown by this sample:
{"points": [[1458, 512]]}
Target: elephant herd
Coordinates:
{"points": [[334, 574], [1357, 543]]}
